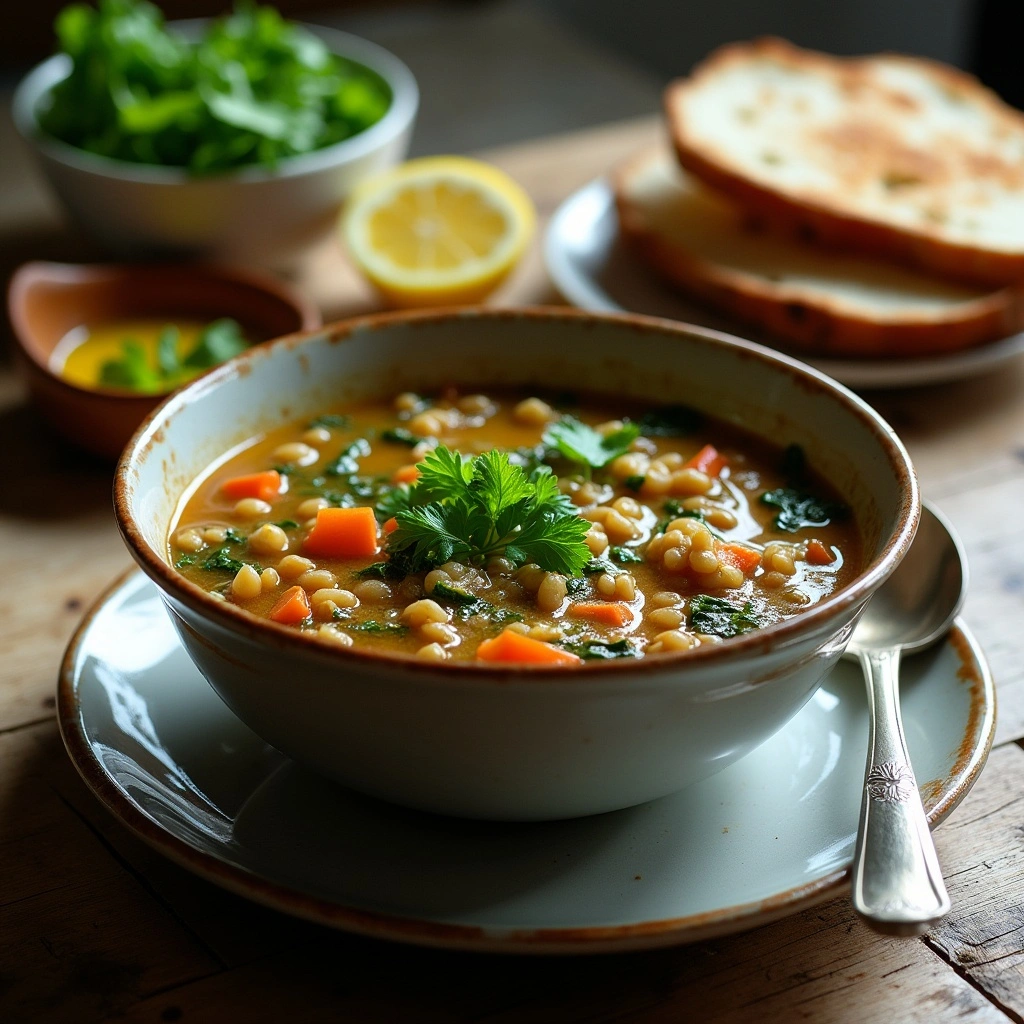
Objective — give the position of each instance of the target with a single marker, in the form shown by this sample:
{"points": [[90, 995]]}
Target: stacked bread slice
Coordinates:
{"points": [[857, 207]]}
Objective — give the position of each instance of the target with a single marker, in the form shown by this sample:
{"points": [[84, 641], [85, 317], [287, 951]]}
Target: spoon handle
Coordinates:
{"points": [[897, 882]]}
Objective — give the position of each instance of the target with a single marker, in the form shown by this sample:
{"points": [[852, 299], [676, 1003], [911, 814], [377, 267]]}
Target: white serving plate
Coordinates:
{"points": [[769, 835], [591, 267]]}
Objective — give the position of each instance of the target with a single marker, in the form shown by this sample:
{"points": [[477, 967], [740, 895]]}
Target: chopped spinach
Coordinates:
{"points": [[330, 419], [373, 626], [287, 524], [623, 555], [673, 509], [467, 605], [634, 483], [718, 617], [222, 560], [233, 536], [454, 595], [184, 561], [670, 421], [347, 462], [575, 586], [798, 510], [599, 649], [399, 435], [596, 565], [377, 571]]}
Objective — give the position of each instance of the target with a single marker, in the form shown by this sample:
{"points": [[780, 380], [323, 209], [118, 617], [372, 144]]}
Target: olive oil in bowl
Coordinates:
{"points": [[146, 355]]}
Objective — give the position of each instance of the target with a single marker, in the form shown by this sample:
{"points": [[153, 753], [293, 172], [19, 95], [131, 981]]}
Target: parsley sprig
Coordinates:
{"points": [[471, 509]]}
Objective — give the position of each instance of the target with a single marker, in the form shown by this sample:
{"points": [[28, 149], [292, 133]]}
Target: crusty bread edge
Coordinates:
{"points": [[806, 323], [817, 222]]}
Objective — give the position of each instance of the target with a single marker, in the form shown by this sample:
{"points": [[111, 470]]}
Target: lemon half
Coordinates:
{"points": [[438, 231]]}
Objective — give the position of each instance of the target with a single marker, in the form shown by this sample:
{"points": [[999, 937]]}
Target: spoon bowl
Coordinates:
{"points": [[919, 602]]}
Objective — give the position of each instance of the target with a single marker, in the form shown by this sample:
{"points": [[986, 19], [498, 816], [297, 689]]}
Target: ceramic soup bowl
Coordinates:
{"points": [[515, 743]]}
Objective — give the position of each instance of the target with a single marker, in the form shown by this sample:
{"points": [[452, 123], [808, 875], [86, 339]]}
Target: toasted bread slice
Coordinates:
{"points": [[818, 300], [888, 154]]}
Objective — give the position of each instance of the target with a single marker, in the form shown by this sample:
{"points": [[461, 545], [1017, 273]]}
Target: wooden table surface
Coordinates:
{"points": [[96, 926]]}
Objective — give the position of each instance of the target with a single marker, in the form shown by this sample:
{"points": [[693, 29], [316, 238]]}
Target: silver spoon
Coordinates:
{"points": [[897, 882]]}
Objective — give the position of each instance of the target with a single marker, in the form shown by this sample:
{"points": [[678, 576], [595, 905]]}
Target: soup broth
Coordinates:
{"points": [[634, 531]]}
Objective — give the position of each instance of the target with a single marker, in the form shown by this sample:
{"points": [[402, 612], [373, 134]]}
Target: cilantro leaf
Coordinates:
{"points": [[718, 617], [799, 510], [584, 445]]}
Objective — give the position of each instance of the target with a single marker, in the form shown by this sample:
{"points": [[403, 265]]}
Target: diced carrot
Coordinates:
{"points": [[515, 648], [610, 613], [406, 474], [343, 533], [708, 460], [818, 554], [745, 559], [390, 525], [292, 607], [265, 486]]}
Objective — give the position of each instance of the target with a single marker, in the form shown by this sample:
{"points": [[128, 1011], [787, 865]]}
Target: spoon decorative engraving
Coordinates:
{"points": [[897, 883]]}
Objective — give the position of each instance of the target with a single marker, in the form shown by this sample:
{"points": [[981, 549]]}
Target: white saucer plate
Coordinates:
{"points": [[769, 835], [593, 269]]}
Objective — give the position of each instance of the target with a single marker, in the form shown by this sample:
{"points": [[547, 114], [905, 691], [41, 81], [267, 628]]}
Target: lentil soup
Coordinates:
{"points": [[516, 528]]}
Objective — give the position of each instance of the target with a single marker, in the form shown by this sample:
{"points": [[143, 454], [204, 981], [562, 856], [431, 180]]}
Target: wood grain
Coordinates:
{"points": [[808, 967], [95, 926]]}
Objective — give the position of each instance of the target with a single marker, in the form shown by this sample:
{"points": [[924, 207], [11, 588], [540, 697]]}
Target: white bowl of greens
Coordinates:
{"points": [[236, 138]]}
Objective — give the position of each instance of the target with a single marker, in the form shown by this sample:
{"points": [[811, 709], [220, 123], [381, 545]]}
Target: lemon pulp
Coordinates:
{"points": [[438, 230]]}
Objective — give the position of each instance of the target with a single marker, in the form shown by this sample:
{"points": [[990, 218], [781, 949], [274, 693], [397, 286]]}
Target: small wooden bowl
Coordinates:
{"points": [[47, 300]]}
